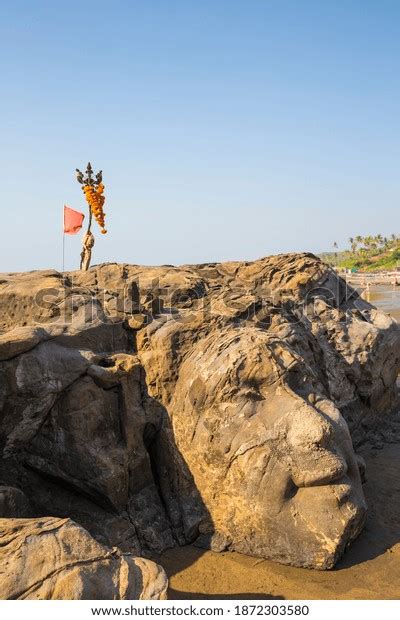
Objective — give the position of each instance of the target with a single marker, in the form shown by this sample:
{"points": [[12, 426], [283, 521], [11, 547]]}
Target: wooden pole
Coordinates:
{"points": [[90, 219]]}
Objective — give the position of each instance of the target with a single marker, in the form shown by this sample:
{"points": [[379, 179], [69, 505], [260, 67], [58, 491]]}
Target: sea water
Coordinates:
{"points": [[386, 298]]}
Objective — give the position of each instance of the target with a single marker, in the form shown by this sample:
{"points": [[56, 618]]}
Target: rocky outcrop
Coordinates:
{"points": [[217, 404], [52, 558]]}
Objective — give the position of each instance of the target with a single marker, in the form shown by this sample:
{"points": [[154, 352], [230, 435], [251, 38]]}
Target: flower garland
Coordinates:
{"points": [[95, 200]]}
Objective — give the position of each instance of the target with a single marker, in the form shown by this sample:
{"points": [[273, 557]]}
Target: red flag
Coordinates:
{"points": [[72, 221]]}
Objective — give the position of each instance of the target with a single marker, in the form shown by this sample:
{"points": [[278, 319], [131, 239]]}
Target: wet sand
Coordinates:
{"points": [[370, 568]]}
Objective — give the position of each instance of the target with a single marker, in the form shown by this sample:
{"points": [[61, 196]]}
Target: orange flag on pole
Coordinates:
{"points": [[72, 221]]}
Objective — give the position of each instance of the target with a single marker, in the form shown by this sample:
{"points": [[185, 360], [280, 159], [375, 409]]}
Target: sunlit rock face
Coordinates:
{"points": [[275, 467], [56, 559], [217, 404]]}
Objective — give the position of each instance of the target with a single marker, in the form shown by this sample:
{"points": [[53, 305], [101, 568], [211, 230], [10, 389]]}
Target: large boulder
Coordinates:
{"points": [[218, 404], [52, 558]]}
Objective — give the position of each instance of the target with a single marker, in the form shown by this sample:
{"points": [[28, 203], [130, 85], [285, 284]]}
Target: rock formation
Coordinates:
{"points": [[52, 558], [213, 404]]}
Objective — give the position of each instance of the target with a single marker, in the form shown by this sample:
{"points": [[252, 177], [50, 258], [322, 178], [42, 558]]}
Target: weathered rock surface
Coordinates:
{"points": [[217, 404], [52, 558]]}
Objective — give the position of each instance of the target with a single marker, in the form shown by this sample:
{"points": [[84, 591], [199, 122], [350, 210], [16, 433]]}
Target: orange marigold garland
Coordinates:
{"points": [[95, 200]]}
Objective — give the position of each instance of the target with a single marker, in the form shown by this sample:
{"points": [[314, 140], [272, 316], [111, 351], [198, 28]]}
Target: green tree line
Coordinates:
{"points": [[373, 245]]}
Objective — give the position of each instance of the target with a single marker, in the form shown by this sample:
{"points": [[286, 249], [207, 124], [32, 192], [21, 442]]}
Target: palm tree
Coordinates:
{"points": [[353, 244], [374, 243], [335, 247]]}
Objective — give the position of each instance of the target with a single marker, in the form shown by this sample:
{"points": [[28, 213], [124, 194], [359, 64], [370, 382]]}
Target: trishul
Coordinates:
{"points": [[93, 189]]}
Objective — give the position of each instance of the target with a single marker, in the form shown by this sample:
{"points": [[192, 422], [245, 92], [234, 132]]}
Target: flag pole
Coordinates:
{"points": [[63, 252], [63, 241]]}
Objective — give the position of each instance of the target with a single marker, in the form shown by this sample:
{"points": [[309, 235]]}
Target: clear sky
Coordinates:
{"points": [[226, 129]]}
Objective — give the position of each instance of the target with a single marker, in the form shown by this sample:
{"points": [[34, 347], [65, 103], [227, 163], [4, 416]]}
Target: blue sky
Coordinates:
{"points": [[225, 129]]}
